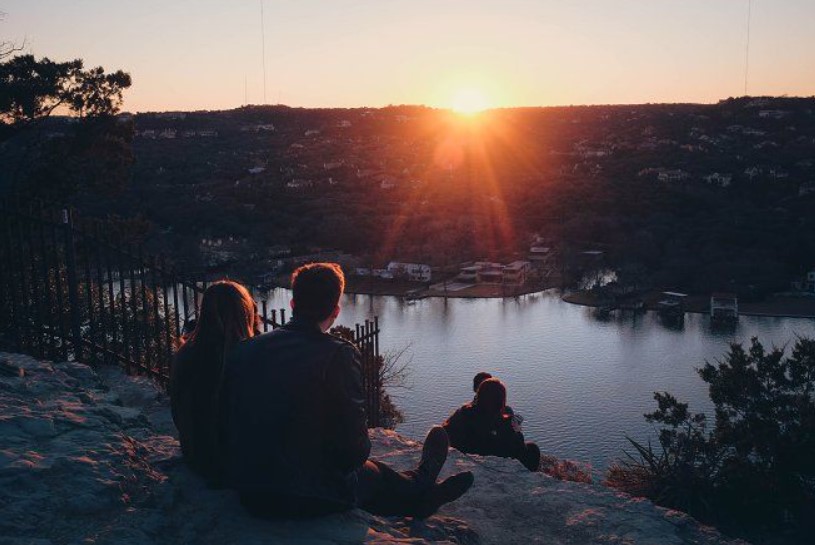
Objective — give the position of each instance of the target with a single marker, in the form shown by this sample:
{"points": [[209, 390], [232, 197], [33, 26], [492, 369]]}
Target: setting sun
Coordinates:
{"points": [[469, 101]]}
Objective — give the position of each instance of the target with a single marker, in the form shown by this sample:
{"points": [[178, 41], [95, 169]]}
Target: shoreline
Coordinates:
{"points": [[456, 290], [777, 306]]}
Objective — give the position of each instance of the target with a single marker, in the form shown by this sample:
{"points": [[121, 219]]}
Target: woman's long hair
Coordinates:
{"points": [[491, 397], [228, 315]]}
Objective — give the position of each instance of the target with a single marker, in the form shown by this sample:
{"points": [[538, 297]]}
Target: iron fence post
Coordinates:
{"points": [[73, 291]]}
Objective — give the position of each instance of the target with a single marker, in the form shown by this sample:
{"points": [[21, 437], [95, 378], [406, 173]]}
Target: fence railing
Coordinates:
{"points": [[70, 289]]}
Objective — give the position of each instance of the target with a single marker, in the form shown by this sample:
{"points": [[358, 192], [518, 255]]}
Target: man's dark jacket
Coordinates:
{"points": [[296, 426]]}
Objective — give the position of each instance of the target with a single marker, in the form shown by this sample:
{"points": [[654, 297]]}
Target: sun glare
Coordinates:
{"points": [[469, 101]]}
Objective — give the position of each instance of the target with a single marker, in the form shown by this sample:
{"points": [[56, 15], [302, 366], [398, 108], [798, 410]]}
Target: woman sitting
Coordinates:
{"points": [[486, 427], [228, 315]]}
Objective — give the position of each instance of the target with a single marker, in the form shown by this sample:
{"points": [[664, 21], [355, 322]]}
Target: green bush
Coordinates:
{"points": [[754, 472]]}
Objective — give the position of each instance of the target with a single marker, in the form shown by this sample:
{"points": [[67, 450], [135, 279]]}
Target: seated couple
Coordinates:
{"points": [[488, 426], [280, 417]]}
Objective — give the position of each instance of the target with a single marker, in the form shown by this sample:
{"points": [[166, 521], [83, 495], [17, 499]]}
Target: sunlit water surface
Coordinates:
{"points": [[581, 383]]}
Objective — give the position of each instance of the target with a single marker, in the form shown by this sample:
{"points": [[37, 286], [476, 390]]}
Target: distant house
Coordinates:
{"points": [[517, 272], [171, 115], [722, 180], [539, 254], [806, 188], [773, 114], [469, 273], [806, 283], [344, 124], [489, 273], [417, 272], [382, 273], [312, 132], [752, 172], [778, 173], [672, 303], [591, 256], [724, 306], [387, 183], [674, 175], [256, 170]]}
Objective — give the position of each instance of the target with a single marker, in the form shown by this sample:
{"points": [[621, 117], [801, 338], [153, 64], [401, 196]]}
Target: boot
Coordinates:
{"points": [[450, 489], [434, 454], [531, 457]]}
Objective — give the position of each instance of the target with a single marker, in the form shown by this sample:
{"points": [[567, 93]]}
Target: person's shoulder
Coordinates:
{"points": [[341, 343], [465, 411], [250, 347]]}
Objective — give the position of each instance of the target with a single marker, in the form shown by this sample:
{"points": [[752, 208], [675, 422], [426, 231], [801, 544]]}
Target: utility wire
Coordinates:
{"points": [[263, 39], [747, 46]]}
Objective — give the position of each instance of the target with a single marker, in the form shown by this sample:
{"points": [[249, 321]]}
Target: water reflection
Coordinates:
{"points": [[582, 383]]}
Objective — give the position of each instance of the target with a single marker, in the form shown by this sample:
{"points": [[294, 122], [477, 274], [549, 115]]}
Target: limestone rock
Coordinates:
{"points": [[90, 456]]}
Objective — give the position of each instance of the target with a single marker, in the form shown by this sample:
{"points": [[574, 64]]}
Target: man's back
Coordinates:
{"points": [[296, 416]]}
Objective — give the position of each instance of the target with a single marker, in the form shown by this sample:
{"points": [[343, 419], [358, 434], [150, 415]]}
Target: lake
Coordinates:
{"points": [[581, 383]]}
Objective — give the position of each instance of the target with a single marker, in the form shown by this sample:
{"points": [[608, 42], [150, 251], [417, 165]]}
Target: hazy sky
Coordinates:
{"points": [[197, 54]]}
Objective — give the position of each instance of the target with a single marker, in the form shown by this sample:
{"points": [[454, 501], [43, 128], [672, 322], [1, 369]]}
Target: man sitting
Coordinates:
{"points": [[297, 441], [486, 427]]}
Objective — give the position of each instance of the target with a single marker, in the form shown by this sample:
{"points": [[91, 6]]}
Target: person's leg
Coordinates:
{"points": [[264, 506], [383, 491]]}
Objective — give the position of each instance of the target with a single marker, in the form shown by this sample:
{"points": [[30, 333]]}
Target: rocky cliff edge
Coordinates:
{"points": [[90, 456]]}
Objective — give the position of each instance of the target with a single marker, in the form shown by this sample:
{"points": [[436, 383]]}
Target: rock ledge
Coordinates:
{"points": [[90, 456]]}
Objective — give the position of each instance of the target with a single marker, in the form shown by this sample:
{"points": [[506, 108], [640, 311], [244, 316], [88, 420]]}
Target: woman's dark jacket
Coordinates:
{"points": [[195, 380], [296, 425], [472, 431]]}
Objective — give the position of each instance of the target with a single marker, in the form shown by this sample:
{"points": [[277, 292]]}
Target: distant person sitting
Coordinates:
{"points": [[297, 431], [485, 427], [517, 420], [227, 317]]}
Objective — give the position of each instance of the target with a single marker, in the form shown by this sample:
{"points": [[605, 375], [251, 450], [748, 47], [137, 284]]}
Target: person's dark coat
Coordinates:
{"points": [[474, 431], [195, 379], [296, 425]]}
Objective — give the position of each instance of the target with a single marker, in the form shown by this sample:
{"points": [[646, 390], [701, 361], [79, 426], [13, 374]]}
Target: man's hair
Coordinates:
{"points": [[479, 378], [316, 290]]}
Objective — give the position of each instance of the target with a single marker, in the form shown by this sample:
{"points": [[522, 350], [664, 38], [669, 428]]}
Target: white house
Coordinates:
{"points": [[672, 175], [417, 272], [722, 180]]}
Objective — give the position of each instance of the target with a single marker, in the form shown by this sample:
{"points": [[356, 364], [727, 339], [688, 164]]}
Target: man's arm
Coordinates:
{"points": [[349, 444], [460, 432]]}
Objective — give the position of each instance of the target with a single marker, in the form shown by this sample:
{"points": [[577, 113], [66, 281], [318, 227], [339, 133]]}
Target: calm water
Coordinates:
{"points": [[581, 383]]}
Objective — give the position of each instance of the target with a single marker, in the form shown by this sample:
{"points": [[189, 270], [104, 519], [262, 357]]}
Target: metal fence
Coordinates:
{"points": [[70, 289]]}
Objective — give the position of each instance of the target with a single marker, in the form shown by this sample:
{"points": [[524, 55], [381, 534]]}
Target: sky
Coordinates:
{"points": [[208, 54]]}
